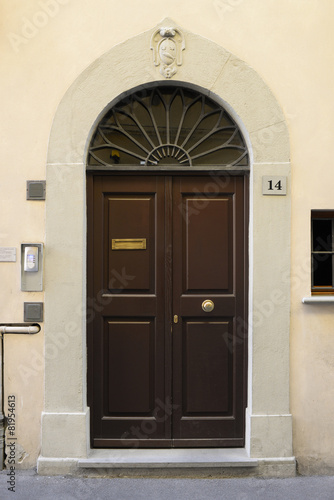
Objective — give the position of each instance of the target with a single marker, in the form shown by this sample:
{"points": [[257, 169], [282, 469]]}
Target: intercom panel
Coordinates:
{"points": [[32, 267]]}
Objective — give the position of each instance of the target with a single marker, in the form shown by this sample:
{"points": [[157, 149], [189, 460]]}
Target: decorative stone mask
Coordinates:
{"points": [[167, 45]]}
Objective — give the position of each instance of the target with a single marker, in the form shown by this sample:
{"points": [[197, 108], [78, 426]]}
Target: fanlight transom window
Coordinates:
{"points": [[165, 126]]}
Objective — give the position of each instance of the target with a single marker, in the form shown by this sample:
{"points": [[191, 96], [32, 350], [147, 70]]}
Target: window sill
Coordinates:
{"points": [[318, 299]]}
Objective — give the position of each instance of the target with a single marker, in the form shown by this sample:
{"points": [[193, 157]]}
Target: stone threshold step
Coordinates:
{"points": [[134, 458]]}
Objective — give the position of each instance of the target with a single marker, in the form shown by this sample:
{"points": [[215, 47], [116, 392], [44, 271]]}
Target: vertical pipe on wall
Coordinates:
{"points": [[2, 415]]}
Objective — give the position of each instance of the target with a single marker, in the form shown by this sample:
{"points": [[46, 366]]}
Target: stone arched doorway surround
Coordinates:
{"points": [[210, 68]]}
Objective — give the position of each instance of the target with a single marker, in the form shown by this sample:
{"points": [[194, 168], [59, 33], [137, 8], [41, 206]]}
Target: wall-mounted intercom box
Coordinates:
{"points": [[32, 267]]}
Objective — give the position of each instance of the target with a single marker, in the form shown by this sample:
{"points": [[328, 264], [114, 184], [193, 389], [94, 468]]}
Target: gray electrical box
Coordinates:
{"points": [[33, 311], [36, 190], [32, 267]]}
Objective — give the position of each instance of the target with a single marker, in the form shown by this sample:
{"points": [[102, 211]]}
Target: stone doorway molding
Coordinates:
{"points": [[228, 80]]}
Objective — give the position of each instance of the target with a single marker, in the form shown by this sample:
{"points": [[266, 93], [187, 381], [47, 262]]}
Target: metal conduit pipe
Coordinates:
{"points": [[4, 329], [19, 329]]}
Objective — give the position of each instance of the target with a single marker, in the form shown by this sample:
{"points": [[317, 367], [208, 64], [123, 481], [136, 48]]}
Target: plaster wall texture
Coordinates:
{"points": [[290, 45]]}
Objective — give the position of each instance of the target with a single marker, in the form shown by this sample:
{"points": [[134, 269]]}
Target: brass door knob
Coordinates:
{"points": [[208, 306]]}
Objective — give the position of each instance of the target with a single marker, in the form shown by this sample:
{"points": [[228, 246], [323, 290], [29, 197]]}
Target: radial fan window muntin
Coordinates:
{"points": [[167, 126]]}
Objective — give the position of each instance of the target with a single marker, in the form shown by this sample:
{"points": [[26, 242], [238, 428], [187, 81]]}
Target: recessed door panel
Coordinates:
{"points": [[129, 362], [202, 217], [131, 235], [207, 368]]}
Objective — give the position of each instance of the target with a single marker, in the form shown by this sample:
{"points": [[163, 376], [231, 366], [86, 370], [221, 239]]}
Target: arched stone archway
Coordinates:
{"points": [[65, 435]]}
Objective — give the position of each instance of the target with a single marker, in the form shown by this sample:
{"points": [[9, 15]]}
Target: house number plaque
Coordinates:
{"points": [[274, 185]]}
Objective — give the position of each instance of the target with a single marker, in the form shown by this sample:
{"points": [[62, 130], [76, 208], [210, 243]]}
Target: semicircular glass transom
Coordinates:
{"points": [[166, 126]]}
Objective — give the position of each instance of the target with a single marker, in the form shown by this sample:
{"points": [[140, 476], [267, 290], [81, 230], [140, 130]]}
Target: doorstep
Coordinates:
{"points": [[177, 458]]}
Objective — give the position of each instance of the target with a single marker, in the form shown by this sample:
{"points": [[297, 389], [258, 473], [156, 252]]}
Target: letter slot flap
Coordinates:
{"points": [[128, 244]]}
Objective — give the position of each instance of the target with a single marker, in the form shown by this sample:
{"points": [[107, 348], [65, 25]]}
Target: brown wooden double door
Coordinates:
{"points": [[163, 372]]}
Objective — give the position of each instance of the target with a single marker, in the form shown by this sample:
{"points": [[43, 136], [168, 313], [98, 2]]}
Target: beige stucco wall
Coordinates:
{"points": [[46, 44]]}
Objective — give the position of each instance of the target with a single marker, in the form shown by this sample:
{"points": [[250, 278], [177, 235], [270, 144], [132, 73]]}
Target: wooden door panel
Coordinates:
{"points": [[131, 218], [129, 352], [207, 368], [201, 218]]}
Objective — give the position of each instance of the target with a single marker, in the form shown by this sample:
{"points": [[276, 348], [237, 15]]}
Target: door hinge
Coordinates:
{"points": [[176, 318]]}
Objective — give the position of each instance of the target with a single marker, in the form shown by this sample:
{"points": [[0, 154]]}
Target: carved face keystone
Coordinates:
{"points": [[167, 51]]}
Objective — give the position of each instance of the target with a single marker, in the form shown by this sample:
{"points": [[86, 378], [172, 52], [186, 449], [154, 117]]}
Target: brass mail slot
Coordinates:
{"points": [[128, 244]]}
